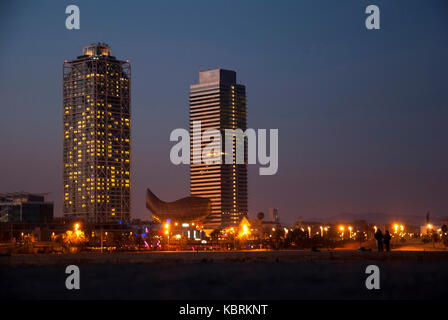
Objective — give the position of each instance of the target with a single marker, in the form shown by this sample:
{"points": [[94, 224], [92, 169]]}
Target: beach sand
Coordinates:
{"points": [[338, 274]]}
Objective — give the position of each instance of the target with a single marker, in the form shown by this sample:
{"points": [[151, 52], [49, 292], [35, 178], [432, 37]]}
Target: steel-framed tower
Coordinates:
{"points": [[97, 137]]}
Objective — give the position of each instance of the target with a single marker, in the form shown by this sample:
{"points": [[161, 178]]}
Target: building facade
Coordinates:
{"points": [[25, 207], [97, 136], [218, 102]]}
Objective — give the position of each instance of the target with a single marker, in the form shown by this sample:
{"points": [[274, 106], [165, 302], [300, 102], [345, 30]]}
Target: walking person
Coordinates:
{"points": [[379, 240]]}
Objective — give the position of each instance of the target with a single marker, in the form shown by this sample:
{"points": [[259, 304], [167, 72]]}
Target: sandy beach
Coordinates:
{"points": [[336, 274]]}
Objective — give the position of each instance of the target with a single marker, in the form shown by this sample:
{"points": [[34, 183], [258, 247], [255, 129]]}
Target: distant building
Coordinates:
{"points": [[97, 137], [25, 207], [219, 103], [273, 215]]}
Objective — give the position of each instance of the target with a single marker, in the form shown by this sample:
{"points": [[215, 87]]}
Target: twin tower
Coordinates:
{"points": [[97, 134]]}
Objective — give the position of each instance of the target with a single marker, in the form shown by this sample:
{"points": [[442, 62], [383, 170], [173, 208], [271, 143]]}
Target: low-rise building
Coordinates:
{"points": [[25, 207]]}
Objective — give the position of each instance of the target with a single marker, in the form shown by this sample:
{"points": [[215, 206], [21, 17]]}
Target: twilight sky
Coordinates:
{"points": [[362, 115]]}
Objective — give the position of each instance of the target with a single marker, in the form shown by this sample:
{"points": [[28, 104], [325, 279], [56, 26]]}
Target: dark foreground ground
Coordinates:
{"points": [[227, 275]]}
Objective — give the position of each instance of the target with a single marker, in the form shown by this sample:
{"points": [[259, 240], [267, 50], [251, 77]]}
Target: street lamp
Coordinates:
{"points": [[167, 232], [429, 229]]}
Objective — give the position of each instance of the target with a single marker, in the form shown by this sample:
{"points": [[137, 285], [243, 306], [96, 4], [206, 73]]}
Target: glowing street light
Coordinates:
{"points": [[401, 230], [244, 231], [342, 232], [428, 228], [167, 231]]}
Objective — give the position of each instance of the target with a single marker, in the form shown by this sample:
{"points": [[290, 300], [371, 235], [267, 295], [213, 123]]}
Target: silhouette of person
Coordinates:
{"points": [[379, 240], [386, 240]]}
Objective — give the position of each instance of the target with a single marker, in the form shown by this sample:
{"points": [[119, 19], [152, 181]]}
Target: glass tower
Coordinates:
{"points": [[218, 102]]}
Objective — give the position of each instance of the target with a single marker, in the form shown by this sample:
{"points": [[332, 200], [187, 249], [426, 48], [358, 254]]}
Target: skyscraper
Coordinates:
{"points": [[218, 102], [97, 136]]}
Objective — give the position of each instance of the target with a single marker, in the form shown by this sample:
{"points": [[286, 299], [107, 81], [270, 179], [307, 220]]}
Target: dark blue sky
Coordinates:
{"points": [[362, 115]]}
